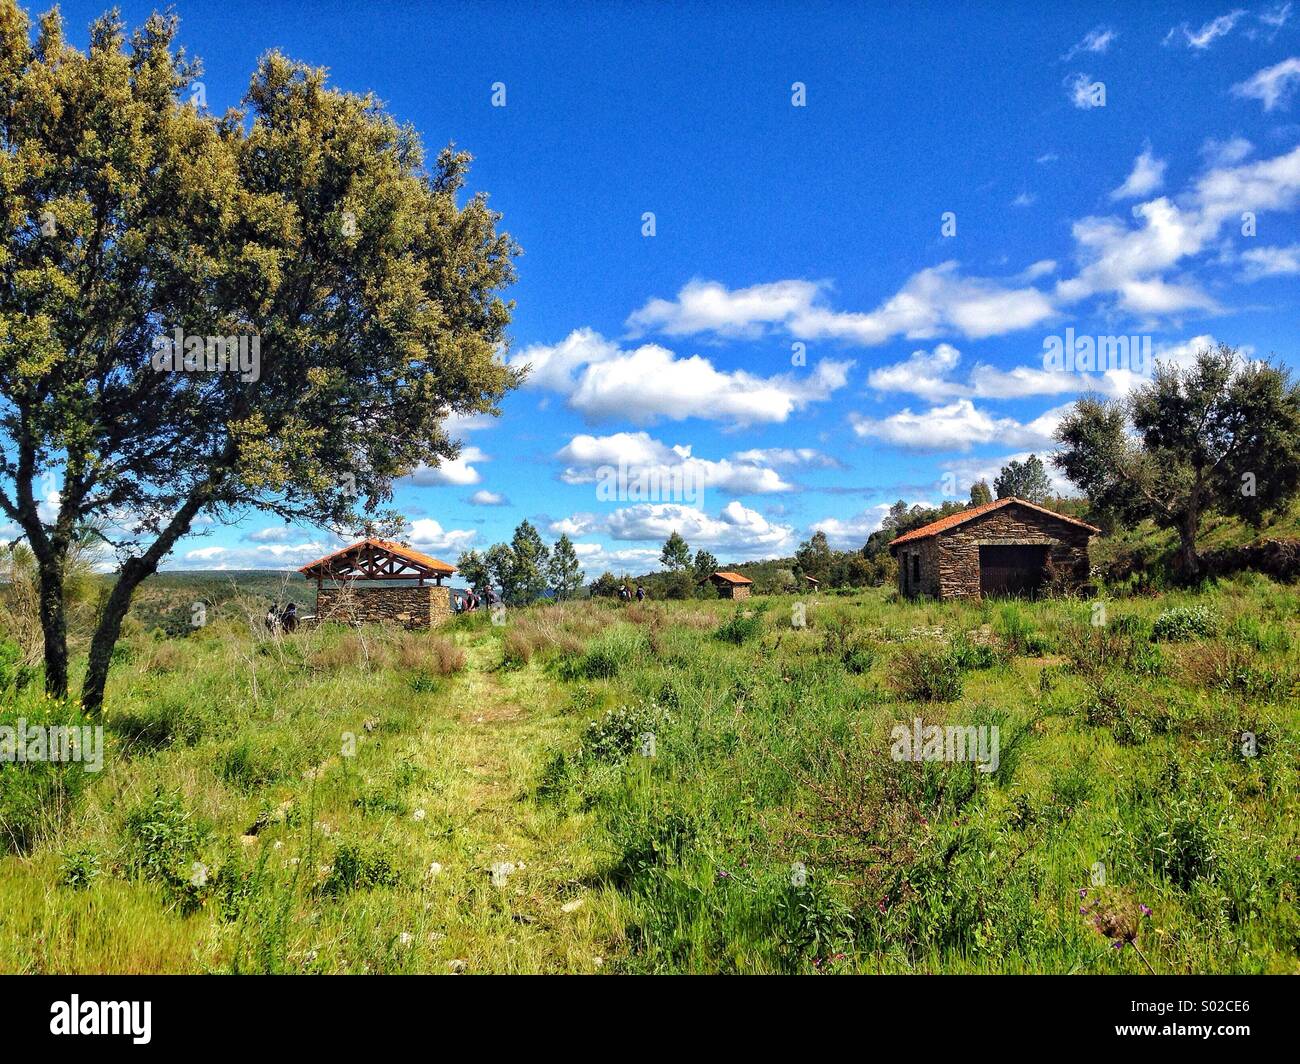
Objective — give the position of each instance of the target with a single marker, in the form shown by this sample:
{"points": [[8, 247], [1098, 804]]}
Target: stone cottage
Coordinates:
{"points": [[378, 581], [730, 585], [1006, 547]]}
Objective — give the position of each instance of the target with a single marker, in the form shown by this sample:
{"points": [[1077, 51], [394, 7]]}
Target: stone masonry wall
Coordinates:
{"points": [[958, 554], [411, 607]]}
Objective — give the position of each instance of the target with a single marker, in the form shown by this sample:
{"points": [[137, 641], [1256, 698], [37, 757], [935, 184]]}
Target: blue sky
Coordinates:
{"points": [[822, 225]]}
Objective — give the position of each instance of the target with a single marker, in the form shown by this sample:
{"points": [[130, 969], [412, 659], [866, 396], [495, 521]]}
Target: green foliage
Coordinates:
{"points": [[1182, 623], [564, 571], [676, 555], [359, 866], [80, 869], [613, 737], [745, 626], [1026, 480], [161, 841], [926, 674]]}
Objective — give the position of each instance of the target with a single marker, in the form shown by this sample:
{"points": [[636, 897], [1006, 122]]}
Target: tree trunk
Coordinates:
{"points": [[54, 627], [1189, 561], [106, 633]]}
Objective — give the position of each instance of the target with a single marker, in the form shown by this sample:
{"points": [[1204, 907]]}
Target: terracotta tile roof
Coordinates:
{"points": [[405, 554], [962, 516], [734, 578]]}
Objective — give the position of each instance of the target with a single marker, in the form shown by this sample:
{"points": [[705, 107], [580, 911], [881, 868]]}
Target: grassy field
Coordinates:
{"points": [[681, 787]]}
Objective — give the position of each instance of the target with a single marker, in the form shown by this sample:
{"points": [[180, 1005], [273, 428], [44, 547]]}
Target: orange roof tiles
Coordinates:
{"points": [[961, 517]]}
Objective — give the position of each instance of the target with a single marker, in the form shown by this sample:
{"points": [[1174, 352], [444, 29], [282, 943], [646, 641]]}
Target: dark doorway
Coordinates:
{"points": [[1011, 570]]}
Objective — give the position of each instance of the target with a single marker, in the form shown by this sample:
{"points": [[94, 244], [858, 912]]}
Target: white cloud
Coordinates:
{"points": [[710, 307], [1082, 95], [1273, 85], [457, 471], [925, 373], [957, 426], [932, 301], [1202, 38], [787, 456], [613, 385], [1274, 261], [854, 531], [1226, 152], [581, 524], [426, 534], [1096, 41], [483, 497], [645, 457], [1025, 199], [1148, 175], [741, 531], [274, 534]]}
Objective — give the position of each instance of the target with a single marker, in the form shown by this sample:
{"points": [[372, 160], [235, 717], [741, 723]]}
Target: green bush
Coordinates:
{"points": [[357, 867], [926, 674], [80, 869], [744, 627], [613, 737], [1183, 622], [161, 841]]}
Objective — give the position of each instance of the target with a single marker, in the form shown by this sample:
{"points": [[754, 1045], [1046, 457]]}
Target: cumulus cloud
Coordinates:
{"points": [[456, 471], [1130, 261], [586, 457], [851, 532], [1273, 85], [1148, 174], [604, 382], [1227, 152], [736, 528], [426, 534], [956, 426], [1274, 261], [934, 300], [483, 497]]}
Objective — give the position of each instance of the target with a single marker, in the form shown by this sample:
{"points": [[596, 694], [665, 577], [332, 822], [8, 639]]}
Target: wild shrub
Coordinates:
{"points": [[1183, 622], [606, 655], [923, 673], [358, 867], [1017, 633], [80, 869], [614, 736], [1249, 631], [516, 649], [970, 655], [1236, 669], [744, 627], [1115, 704], [167, 721], [161, 841], [847, 646], [434, 655], [37, 796]]}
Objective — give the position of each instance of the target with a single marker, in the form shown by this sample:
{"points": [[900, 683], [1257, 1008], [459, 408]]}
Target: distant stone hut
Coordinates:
{"points": [[810, 582], [1007, 547], [357, 585], [730, 585]]}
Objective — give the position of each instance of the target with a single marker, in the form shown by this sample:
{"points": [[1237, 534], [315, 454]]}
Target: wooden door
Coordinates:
{"points": [[1011, 570]]}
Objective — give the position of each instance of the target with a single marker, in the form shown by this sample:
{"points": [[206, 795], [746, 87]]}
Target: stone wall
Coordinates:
{"points": [[927, 550], [358, 603], [958, 554], [734, 591]]}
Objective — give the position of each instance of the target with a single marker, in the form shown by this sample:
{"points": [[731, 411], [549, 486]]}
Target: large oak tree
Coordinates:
{"points": [[307, 219]]}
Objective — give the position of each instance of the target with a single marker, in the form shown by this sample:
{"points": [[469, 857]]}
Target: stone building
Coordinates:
{"points": [[1007, 547], [730, 585], [360, 585]]}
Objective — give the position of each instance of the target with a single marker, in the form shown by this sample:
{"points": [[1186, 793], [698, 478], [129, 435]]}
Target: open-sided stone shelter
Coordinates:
{"points": [[730, 585], [1005, 547], [356, 585]]}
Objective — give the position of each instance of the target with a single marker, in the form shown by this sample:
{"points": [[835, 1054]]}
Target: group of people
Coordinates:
{"points": [[286, 619], [626, 595], [472, 600]]}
